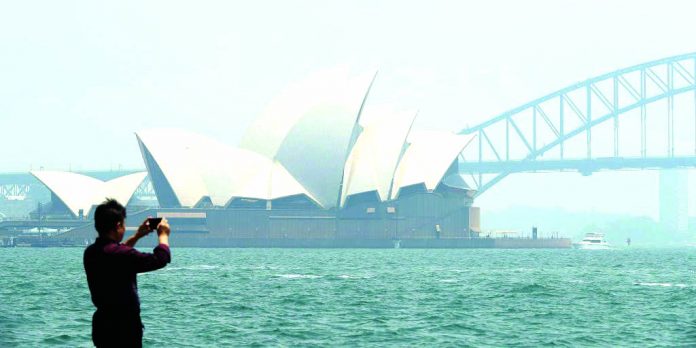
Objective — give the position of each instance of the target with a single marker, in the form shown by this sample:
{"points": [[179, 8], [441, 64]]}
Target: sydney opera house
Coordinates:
{"points": [[320, 167]]}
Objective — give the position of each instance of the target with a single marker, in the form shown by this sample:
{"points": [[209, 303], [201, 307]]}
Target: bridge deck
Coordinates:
{"points": [[585, 166]]}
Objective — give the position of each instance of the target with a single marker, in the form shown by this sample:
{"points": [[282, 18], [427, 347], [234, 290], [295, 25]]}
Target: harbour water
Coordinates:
{"points": [[360, 297]]}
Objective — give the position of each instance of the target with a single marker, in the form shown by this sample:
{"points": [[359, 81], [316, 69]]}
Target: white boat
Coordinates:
{"points": [[592, 241]]}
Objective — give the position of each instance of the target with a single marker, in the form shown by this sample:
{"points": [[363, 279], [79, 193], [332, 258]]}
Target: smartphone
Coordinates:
{"points": [[153, 222]]}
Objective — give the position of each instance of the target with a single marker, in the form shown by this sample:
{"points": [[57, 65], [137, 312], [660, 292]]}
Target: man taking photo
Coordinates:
{"points": [[111, 268]]}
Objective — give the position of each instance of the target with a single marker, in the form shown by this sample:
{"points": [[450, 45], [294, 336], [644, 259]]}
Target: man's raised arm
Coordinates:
{"points": [[160, 256]]}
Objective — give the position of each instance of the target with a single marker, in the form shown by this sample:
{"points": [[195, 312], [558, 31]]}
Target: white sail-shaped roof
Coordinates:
{"points": [[195, 167], [427, 158], [373, 160], [310, 128], [178, 155], [272, 179], [81, 192], [123, 187]]}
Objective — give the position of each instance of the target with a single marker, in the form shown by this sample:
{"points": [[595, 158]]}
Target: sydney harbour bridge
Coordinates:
{"points": [[640, 117]]}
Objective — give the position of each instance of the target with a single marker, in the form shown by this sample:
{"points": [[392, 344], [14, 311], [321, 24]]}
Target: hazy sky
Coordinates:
{"points": [[78, 78]]}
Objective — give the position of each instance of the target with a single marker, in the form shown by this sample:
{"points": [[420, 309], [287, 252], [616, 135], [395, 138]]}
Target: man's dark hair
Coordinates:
{"points": [[107, 215]]}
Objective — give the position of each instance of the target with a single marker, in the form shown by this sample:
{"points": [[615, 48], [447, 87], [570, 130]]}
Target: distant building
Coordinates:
{"points": [[674, 200]]}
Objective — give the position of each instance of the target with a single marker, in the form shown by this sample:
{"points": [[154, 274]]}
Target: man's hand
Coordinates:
{"points": [[163, 232], [143, 230]]}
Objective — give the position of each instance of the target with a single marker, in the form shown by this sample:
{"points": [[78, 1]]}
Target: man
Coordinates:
{"points": [[111, 269]]}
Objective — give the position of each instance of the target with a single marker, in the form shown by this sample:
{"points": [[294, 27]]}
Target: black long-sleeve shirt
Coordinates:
{"points": [[111, 270]]}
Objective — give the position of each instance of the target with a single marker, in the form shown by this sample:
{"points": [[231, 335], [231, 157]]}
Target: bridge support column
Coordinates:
{"points": [[643, 117], [670, 110]]}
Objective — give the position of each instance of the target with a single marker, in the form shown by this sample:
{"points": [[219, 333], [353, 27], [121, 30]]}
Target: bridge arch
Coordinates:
{"points": [[516, 140]]}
